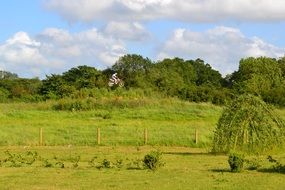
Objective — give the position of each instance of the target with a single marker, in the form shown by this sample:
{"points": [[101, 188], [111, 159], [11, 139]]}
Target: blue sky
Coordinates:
{"points": [[41, 37]]}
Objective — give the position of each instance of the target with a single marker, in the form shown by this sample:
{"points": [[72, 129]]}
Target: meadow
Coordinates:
{"points": [[170, 122], [69, 135]]}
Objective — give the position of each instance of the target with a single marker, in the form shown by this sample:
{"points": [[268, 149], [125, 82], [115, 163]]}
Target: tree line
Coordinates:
{"points": [[191, 80]]}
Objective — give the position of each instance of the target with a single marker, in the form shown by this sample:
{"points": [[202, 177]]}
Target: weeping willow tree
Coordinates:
{"points": [[248, 124]]}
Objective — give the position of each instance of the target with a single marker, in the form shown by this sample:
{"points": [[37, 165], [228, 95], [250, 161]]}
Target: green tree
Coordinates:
{"points": [[84, 77], [133, 70], [20, 87], [173, 76], [258, 75], [51, 86], [75, 79], [281, 64], [205, 74]]}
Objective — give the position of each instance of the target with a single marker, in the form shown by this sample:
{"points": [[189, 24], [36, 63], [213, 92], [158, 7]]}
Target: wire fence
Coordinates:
{"points": [[108, 136]]}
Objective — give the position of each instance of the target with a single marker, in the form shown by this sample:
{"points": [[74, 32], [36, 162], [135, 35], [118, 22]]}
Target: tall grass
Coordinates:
{"points": [[122, 121]]}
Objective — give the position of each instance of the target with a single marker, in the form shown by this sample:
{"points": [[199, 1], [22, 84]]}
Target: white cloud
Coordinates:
{"points": [[75, 10], [20, 53], [186, 10], [140, 5], [56, 50], [133, 31], [222, 47], [56, 35]]}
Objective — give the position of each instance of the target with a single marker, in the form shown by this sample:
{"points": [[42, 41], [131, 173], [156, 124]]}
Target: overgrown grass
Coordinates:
{"points": [[169, 122], [184, 168]]}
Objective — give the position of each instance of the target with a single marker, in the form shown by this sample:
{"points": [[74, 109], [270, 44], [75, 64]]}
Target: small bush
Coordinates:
{"points": [[253, 164], [119, 163], [236, 162], [105, 164], [52, 164], [75, 161], [4, 94], [278, 167], [136, 164], [19, 159], [47, 164], [59, 164], [107, 116], [153, 160], [92, 162]]}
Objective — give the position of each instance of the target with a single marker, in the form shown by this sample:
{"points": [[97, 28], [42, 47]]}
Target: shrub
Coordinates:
{"points": [[4, 94], [236, 162], [47, 164], [75, 161], [249, 125], [119, 163], [277, 167], [153, 160], [20, 160], [59, 164], [105, 164], [92, 162], [253, 164], [136, 164]]}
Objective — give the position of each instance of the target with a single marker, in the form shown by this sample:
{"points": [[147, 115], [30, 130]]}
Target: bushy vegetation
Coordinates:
{"points": [[19, 159], [250, 125], [102, 99], [236, 162], [153, 160], [277, 165], [191, 80], [254, 163]]}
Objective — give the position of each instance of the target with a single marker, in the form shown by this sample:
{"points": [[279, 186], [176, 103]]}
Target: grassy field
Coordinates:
{"points": [[69, 135], [169, 122], [185, 168]]}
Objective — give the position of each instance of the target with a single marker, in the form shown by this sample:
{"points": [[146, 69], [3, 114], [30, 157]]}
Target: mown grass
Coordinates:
{"points": [[169, 122], [185, 168]]}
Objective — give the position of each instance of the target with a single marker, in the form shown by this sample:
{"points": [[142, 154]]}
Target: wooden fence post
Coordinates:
{"points": [[145, 136], [98, 136], [41, 137], [196, 136]]}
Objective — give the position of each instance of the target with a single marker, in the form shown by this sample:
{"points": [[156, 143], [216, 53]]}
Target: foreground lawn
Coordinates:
{"points": [[185, 168]]}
